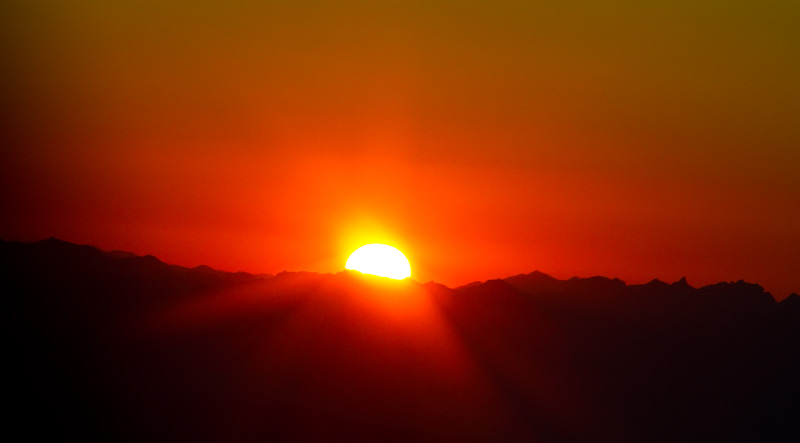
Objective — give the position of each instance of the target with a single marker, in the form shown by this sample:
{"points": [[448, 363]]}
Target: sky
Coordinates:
{"points": [[483, 139]]}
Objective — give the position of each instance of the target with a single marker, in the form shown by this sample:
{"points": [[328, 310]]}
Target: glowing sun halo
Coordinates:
{"points": [[379, 259]]}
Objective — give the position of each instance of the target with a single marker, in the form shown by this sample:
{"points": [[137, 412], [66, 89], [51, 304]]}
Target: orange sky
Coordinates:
{"points": [[483, 139]]}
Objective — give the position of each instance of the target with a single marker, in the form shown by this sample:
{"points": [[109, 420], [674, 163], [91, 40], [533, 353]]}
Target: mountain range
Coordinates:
{"points": [[115, 346]]}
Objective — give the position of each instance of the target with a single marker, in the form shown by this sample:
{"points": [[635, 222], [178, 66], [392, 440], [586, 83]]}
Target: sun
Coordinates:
{"points": [[379, 259]]}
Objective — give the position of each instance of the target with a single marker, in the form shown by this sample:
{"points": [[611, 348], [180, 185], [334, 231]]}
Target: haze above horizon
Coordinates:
{"points": [[624, 139]]}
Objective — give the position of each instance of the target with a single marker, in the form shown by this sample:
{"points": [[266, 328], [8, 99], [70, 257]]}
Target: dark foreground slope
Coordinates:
{"points": [[116, 347]]}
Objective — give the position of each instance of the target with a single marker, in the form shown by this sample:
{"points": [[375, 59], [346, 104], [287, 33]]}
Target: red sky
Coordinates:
{"points": [[483, 139]]}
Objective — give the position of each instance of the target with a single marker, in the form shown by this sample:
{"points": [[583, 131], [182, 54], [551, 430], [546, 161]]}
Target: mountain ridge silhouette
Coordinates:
{"points": [[125, 347]]}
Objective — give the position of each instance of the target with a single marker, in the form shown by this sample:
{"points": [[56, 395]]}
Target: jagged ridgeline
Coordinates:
{"points": [[110, 345]]}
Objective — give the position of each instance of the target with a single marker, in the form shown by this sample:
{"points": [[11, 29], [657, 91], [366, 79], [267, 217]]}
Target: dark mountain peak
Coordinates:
{"points": [[151, 258], [682, 283], [656, 283], [497, 283], [301, 279], [289, 274], [793, 300], [144, 264], [739, 293], [54, 266], [661, 291], [470, 285], [223, 275], [53, 244], [540, 275], [495, 287], [434, 286], [56, 241], [740, 286], [534, 276], [535, 283]]}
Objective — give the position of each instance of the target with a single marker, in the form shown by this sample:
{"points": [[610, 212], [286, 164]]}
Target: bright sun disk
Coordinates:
{"points": [[379, 259]]}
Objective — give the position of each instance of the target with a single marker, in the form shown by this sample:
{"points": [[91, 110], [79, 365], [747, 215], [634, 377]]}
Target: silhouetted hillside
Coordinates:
{"points": [[113, 346]]}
